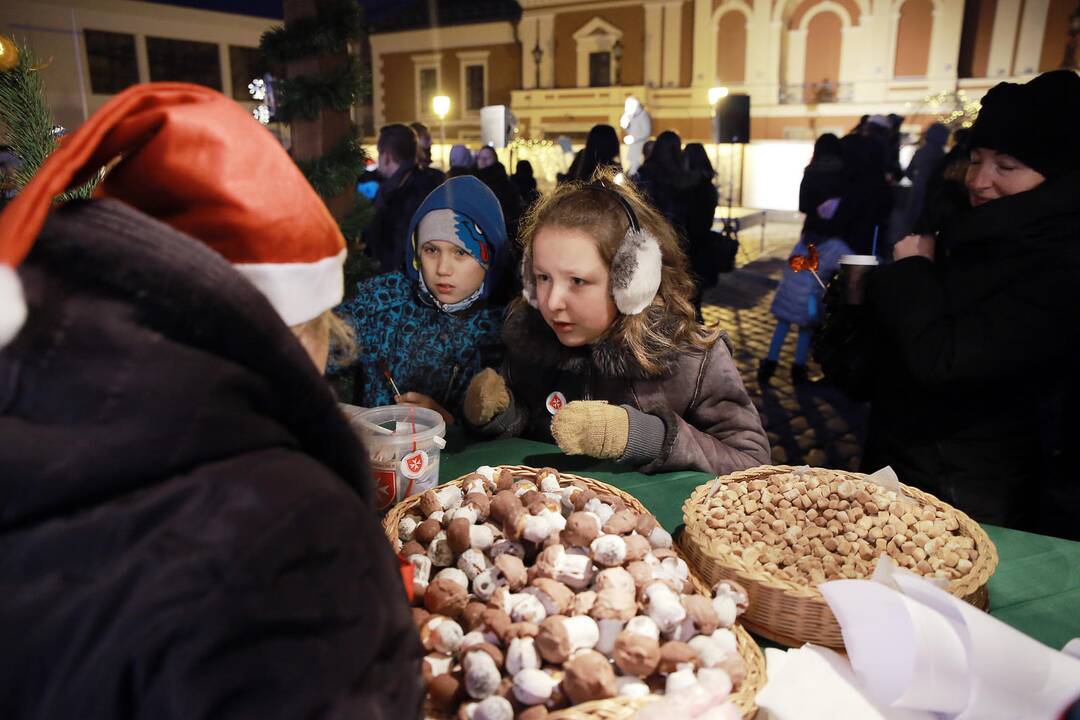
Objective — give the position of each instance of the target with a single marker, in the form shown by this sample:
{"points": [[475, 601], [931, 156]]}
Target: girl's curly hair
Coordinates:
{"points": [[591, 208]]}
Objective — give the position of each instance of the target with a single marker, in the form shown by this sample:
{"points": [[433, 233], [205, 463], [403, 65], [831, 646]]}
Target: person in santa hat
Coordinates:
{"points": [[187, 523]]}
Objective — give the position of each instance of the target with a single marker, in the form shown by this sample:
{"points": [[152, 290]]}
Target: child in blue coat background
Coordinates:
{"points": [[437, 324], [797, 302]]}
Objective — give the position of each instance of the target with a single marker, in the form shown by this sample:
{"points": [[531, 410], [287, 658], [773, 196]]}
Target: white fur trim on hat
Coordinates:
{"points": [[12, 305], [635, 272], [299, 291]]}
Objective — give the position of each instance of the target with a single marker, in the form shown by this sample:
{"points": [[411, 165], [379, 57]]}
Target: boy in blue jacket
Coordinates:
{"points": [[437, 324]]}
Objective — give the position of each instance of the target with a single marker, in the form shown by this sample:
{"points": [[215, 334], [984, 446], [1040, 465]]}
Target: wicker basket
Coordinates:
{"points": [[616, 708], [793, 613]]}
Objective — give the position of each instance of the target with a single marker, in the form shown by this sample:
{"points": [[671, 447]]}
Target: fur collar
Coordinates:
{"points": [[528, 339]]}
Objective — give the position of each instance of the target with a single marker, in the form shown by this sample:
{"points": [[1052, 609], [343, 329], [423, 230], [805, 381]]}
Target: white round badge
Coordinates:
{"points": [[414, 464], [555, 402]]}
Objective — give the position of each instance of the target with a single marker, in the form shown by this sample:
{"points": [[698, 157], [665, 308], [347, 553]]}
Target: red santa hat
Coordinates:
{"points": [[197, 161]]}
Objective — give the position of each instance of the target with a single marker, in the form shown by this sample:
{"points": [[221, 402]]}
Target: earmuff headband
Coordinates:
{"points": [[635, 269]]}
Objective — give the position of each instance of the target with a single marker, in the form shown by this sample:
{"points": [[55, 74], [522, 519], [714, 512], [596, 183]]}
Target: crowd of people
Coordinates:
{"points": [[188, 521]]}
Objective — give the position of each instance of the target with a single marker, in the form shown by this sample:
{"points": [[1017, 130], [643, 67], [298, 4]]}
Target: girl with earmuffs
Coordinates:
{"points": [[603, 352]]}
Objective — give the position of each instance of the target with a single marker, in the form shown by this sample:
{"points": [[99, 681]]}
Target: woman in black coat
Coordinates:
{"points": [[700, 210], [979, 329], [664, 182]]}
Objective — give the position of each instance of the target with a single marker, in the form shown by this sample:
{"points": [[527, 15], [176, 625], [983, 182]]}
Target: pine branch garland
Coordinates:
{"points": [[303, 97], [337, 170], [327, 32], [26, 124]]}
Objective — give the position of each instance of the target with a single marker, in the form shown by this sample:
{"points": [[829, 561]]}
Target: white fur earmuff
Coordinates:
{"points": [[635, 272]]}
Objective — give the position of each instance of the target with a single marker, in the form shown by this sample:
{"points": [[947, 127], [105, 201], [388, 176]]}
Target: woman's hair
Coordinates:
{"points": [[601, 151], [523, 169], [670, 322], [827, 145], [342, 338], [666, 152], [696, 162]]}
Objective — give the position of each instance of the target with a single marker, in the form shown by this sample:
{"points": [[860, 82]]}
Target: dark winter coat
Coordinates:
{"points": [[701, 251], [822, 180], [979, 353], [495, 177], [707, 421], [866, 199], [398, 198], [186, 528]]}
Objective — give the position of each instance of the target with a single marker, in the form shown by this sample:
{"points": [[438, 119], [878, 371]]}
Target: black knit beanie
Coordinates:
{"points": [[1036, 122]]}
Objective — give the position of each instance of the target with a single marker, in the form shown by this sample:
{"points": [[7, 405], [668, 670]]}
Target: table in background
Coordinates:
{"points": [[1035, 589]]}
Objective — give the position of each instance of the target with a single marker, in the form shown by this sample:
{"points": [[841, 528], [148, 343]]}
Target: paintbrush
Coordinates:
{"points": [[385, 369]]}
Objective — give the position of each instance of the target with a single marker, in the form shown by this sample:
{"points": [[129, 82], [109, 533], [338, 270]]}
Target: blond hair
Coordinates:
{"points": [[591, 208], [341, 336]]}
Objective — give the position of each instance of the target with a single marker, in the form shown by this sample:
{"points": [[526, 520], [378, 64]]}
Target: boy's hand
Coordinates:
{"points": [[592, 427], [486, 397], [424, 401]]}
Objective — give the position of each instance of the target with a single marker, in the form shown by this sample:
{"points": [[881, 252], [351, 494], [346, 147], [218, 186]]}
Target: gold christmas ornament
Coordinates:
{"points": [[9, 53]]}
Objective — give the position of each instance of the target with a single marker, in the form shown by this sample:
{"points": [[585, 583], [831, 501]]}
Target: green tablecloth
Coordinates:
{"points": [[1036, 587]]}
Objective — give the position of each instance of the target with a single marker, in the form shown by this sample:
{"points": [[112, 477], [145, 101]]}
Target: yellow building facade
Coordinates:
{"points": [[809, 66]]}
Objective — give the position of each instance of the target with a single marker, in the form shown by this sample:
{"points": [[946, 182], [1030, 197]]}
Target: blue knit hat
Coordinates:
{"points": [[478, 227]]}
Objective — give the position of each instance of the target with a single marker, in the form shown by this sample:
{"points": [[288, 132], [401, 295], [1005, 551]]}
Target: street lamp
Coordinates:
{"points": [[716, 94], [537, 54], [441, 105], [616, 54]]}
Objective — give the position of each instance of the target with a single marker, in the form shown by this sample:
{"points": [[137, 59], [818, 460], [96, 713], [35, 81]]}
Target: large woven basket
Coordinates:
{"points": [[792, 613], [615, 708]]}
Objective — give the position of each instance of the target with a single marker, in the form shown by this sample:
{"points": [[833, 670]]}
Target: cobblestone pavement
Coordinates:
{"points": [[812, 424]]}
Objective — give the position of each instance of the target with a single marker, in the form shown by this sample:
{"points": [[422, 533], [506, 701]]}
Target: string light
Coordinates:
{"points": [[952, 108], [257, 89]]}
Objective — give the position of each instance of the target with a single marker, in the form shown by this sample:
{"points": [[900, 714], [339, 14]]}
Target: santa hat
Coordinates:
{"points": [[197, 161]]}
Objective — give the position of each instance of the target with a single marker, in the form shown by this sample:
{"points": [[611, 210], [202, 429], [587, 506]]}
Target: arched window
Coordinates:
{"points": [[913, 39], [731, 48], [822, 69], [1055, 34]]}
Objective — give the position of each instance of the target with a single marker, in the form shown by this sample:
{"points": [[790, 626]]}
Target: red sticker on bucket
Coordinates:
{"points": [[385, 488], [414, 464], [555, 402]]}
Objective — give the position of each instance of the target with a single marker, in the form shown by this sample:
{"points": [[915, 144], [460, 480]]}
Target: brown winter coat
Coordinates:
{"points": [[706, 419]]}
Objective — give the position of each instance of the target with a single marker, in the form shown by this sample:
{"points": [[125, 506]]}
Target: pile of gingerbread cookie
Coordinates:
{"points": [[535, 594]]}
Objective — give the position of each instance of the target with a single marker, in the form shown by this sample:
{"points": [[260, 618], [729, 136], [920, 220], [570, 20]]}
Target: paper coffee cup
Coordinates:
{"points": [[853, 271], [858, 260]]}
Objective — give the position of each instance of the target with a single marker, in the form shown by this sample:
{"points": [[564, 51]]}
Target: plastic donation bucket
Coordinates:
{"points": [[403, 443]]}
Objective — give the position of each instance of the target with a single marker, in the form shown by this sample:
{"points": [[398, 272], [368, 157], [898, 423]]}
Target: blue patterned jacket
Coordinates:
{"points": [[427, 350]]}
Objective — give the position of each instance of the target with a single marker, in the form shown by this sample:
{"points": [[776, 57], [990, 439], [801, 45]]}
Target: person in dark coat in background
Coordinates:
{"points": [[823, 182], [924, 163], [461, 161], [188, 519], [664, 182], [601, 151], [404, 186], [946, 191], [423, 153], [979, 329], [492, 173], [798, 297], [525, 183], [865, 203], [701, 200]]}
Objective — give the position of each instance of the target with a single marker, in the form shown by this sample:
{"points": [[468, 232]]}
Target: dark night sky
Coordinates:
{"points": [[262, 8]]}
